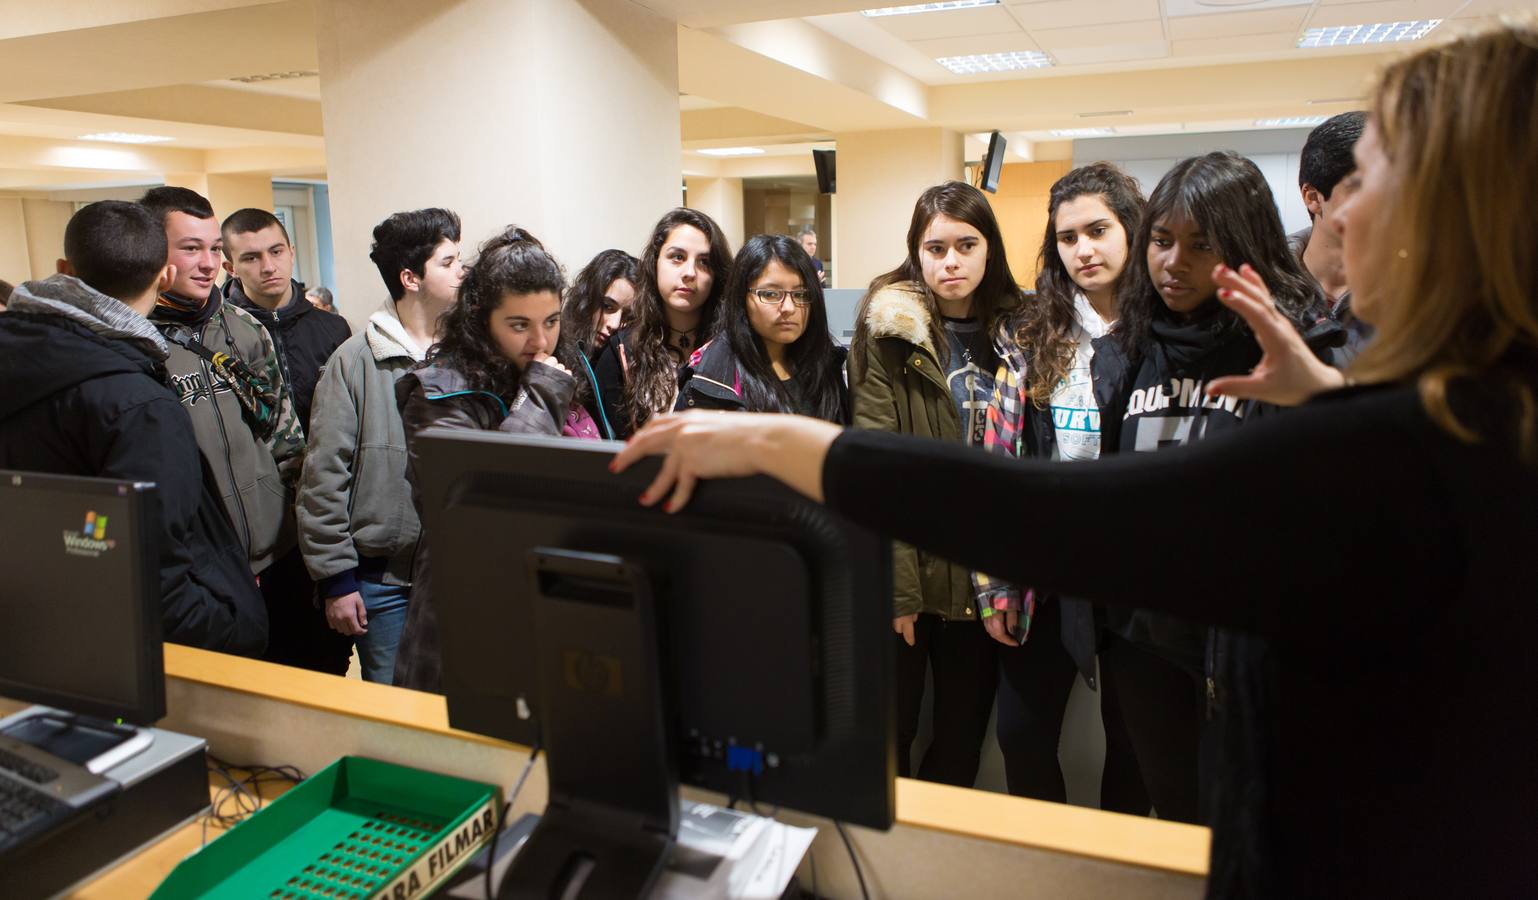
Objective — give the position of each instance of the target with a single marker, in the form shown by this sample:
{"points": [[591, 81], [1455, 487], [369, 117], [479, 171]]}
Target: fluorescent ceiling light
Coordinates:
{"points": [[124, 137], [733, 151], [1379, 33], [1082, 132], [995, 62], [1291, 122], [926, 7]]}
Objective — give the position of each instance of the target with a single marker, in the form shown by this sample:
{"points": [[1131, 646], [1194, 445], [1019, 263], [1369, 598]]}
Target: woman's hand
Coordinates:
{"points": [[1288, 373], [903, 625], [702, 444], [1001, 626]]}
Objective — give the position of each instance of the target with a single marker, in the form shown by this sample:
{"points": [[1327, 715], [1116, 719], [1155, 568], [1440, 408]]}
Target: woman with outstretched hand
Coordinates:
{"points": [[1405, 734]]}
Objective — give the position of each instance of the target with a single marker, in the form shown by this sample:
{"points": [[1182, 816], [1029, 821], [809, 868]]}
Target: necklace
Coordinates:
{"points": [[682, 339]]}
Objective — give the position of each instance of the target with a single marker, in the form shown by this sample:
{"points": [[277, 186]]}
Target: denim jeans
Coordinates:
{"points": [[386, 607]]}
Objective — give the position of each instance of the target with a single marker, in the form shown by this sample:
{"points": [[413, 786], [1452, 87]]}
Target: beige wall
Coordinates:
{"points": [[15, 263], [45, 233], [228, 193], [1021, 208], [722, 200], [465, 138], [880, 175]]}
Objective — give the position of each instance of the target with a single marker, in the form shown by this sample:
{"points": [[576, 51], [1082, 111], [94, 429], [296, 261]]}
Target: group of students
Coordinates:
{"points": [[285, 449]]}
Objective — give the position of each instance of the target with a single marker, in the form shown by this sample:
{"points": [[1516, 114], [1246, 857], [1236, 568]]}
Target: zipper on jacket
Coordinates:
{"points": [[213, 400], [1212, 670], [283, 370]]}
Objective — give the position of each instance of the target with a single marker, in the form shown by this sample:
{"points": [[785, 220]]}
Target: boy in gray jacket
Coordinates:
{"points": [[357, 526]]}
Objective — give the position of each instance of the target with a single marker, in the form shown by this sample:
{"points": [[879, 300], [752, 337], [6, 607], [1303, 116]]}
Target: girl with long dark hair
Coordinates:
{"points": [[773, 351], [600, 296], [1173, 338], [500, 364], [683, 272], [1044, 407], [921, 363]]}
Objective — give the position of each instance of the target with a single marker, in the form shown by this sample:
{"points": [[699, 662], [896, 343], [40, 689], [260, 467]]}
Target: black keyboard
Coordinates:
{"points": [[26, 768], [27, 811]]}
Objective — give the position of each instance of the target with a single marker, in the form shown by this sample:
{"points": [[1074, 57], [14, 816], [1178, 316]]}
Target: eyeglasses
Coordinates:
{"points": [[774, 297]]}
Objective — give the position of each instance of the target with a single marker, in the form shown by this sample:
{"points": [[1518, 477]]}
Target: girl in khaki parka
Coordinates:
{"points": [[922, 363]]}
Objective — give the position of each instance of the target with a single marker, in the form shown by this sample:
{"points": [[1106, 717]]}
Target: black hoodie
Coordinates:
{"points": [[305, 337], [78, 399]]}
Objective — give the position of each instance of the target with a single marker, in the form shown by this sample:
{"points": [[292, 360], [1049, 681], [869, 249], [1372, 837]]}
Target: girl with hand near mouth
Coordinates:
{"points": [[1043, 407], [499, 365], [682, 273], [772, 351], [921, 363]]}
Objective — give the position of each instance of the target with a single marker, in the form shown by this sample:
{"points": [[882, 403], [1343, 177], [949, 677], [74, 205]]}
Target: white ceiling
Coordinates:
{"points": [[1123, 35]]}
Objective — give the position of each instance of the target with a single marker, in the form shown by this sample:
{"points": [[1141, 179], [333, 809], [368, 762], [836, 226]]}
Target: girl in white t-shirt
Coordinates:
{"points": [[1044, 406]]}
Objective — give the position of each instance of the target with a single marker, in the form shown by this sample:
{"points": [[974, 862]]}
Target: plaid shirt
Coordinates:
{"points": [[1005, 434]]}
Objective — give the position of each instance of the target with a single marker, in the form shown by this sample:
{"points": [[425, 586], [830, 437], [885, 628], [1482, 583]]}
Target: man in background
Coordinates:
{"points": [[808, 239], [321, 297]]}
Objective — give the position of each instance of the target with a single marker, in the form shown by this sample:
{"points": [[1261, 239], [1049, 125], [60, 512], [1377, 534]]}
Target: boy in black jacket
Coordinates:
{"points": [[83, 391]]}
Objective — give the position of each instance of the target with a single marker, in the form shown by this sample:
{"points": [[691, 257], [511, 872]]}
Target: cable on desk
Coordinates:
{"points": [[864, 894], [491, 853], [243, 791]]}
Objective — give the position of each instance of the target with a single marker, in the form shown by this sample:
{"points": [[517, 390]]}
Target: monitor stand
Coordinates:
{"points": [[86, 741], [612, 817]]}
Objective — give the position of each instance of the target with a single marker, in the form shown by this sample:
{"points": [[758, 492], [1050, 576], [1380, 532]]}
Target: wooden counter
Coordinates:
{"points": [[948, 842]]}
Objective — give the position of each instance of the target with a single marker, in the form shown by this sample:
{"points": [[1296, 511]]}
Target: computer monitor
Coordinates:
{"points": [[993, 162], [80, 595], [826, 164], [742, 645]]}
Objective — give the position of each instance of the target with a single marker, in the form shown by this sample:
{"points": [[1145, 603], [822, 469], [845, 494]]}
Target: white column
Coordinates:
{"points": [[558, 115], [880, 176]]}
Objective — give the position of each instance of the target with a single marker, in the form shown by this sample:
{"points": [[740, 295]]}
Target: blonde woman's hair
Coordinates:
{"points": [[1455, 290]]}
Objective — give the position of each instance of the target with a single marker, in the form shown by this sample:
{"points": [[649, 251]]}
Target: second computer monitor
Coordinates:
{"points": [[773, 617]]}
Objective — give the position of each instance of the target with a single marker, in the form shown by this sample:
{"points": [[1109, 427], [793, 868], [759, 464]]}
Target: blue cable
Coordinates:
{"points": [[597, 397]]}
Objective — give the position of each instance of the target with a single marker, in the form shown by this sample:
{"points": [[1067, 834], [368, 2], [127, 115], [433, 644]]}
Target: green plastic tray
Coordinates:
{"points": [[359, 829]]}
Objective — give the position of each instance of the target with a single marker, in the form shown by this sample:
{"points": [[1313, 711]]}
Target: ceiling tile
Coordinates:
{"points": [[1112, 53], [1268, 21], [1089, 36], [951, 23], [1177, 8], [1329, 16], [1230, 46], [1069, 13], [966, 46]]}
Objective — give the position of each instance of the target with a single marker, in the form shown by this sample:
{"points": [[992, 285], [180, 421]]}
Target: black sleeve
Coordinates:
{"points": [[209, 598], [1251, 529], [610, 391]]}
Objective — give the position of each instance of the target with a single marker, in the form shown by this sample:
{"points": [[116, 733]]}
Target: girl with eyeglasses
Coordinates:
{"points": [[773, 351]]}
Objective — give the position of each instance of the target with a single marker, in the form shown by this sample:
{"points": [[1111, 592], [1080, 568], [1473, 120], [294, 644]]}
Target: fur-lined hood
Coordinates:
{"points": [[900, 311]]}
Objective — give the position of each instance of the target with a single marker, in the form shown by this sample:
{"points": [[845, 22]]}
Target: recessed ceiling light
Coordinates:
{"points": [[124, 137], [733, 151], [926, 7], [1082, 132], [996, 62], [1291, 122], [1378, 33]]}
